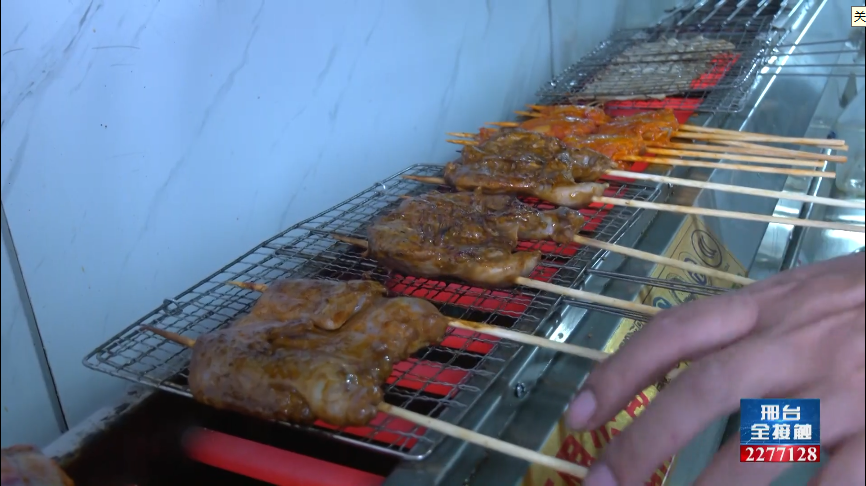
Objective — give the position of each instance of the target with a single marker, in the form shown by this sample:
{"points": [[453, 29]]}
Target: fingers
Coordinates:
{"points": [[726, 468], [842, 415], [810, 301], [692, 330], [846, 466], [804, 274], [687, 331], [708, 390]]}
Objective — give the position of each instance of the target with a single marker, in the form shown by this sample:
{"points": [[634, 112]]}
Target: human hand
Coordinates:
{"points": [[799, 334]]}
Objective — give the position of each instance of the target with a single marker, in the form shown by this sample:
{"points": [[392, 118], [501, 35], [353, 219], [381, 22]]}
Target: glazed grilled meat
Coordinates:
{"points": [[586, 165], [652, 126], [324, 304], [517, 162], [281, 366], [469, 236], [550, 181], [25, 465], [613, 146]]}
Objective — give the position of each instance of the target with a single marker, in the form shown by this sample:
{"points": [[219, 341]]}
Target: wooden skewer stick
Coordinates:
{"points": [[744, 158], [462, 142], [792, 196], [760, 169], [709, 165], [785, 151], [631, 252], [733, 147], [530, 339], [696, 151], [700, 211], [767, 138], [724, 134], [497, 331], [727, 134], [442, 426], [624, 250], [670, 262], [547, 287], [488, 442], [730, 214]]}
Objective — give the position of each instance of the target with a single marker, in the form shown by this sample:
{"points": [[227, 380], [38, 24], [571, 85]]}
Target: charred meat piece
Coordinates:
{"points": [[550, 181], [469, 236], [652, 126], [324, 304], [295, 371], [560, 126], [25, 465], [524, 163], [612, 146], [593, 113], [514, 144], [586, 165]]}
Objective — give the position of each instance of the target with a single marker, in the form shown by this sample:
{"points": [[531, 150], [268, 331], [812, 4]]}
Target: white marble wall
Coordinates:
{"points": [[145, 144]]}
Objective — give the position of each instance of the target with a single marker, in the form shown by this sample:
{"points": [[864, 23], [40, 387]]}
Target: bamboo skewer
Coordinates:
{"points": [[487, 442], [624, 250], [735, 144], [699, 211], [759, 169], [729, 147], [719, 213], [743, 158], [670, 262], [547, 287], [442, 426], [791, 196], [765, 138], [708, 165], [497, 331], [713, 152], [726, 134]]}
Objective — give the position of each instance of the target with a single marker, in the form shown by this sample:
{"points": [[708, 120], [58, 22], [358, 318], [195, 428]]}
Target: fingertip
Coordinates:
{"points": [[581, 410]]}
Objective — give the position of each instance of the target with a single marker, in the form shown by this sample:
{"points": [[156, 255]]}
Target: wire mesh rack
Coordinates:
{"points": [[701, 58], [442, 381], [731, 14]]}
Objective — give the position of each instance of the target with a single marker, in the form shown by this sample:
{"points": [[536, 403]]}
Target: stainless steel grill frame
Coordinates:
{"points": [[749, 26], [308, 250]]}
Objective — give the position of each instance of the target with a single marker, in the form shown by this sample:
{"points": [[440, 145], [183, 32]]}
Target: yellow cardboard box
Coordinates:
{"points": [[694, 243]]}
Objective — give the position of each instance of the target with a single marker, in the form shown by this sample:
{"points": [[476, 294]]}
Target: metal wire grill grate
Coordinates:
{"points": [[442, 380], [730, 14], [702, 58]]}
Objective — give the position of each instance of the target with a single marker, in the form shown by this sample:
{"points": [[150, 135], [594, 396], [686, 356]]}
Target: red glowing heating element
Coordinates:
{"points": [[285, 468], [501, 302]]}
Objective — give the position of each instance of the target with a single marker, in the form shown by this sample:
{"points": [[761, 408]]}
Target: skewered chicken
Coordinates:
{"points": [[25, 465], [573, 111], [527, 163], [584, 127], [614, 147], [277, 363], [652, 126], [324, 304], [469, 236]]}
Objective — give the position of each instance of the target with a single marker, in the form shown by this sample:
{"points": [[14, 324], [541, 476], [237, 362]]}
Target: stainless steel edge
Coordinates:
{"points": [[528, 422]]}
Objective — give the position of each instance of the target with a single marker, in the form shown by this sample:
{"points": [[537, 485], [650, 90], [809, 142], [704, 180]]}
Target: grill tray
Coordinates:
{"points": [[442, 381]]}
